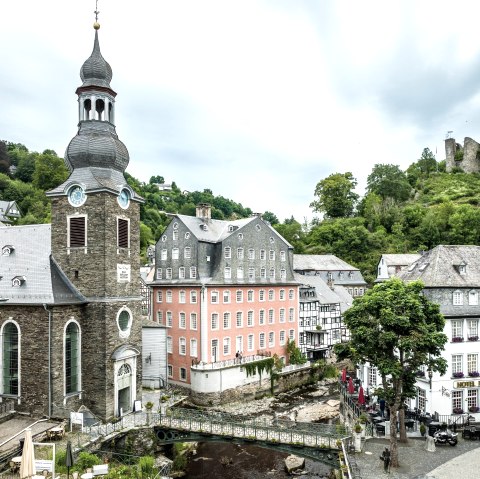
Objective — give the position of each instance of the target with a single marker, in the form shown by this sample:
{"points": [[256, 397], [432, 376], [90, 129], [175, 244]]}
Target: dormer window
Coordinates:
{"points": [[203, 227], [462, 268], [350, 274], [7, 250], [18, 281]]}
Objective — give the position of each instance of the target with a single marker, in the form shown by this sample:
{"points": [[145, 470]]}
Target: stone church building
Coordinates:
{"points": [[70, 304]]}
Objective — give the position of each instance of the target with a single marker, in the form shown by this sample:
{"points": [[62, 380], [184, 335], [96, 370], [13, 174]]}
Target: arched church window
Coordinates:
{"points": [[10, 359], [87, 106], [72, 358]]}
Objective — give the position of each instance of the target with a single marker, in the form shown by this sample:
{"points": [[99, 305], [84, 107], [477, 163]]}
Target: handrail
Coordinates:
{"points": [[23, 430]]}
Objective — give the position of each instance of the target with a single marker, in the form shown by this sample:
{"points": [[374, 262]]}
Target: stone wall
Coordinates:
{"points": [[254, 390], [93, 270], [469, 161]]}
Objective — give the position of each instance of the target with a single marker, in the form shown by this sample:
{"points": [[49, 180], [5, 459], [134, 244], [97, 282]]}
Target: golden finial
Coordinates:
{"points": [[96, 25]]}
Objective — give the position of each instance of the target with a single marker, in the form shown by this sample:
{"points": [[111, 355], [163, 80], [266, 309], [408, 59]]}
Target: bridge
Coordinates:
{"points": [[320, 442]]}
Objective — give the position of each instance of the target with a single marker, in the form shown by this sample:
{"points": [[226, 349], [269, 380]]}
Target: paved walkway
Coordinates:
{"points": [[447, 462]]}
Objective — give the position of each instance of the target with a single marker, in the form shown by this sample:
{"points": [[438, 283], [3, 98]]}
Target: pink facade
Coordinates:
{"points": [[210, 324]]}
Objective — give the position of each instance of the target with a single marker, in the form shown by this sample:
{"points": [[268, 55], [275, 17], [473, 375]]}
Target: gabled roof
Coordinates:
{"points": [[440, 267], [215, 231], [400, 259], [320, 262], [325, 294], [29, 257]]}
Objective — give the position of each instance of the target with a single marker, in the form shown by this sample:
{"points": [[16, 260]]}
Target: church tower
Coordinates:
{"points": [[96, 244]]}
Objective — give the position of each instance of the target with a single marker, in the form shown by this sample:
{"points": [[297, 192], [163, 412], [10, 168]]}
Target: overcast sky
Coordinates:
{"points": [[256, 100]]}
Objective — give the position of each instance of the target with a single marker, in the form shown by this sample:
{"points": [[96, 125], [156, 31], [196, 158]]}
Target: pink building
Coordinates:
{"points": [[226, 292]]}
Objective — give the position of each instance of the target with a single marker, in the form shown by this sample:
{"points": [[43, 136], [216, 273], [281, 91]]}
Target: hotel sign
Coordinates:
{"points": [[466, 384]]}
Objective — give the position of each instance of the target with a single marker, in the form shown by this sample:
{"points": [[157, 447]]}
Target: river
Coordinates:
{"points": [[222, 460]]}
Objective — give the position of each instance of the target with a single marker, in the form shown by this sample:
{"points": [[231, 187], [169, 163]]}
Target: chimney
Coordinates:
{"points": [[204, 211]]}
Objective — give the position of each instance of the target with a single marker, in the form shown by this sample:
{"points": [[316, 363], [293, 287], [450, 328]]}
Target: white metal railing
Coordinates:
{"points": [[227, 363]]}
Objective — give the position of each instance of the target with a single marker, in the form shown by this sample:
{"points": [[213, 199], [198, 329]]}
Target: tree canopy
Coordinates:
{"points": [[336, 196], [397, 329], [388, 181]]}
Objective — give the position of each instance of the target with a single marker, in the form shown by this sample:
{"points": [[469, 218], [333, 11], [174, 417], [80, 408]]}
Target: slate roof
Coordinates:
{"points": [[320, 262], [323, 264], [30, 259], [400, 259], [216, 230], [325, 295], [439, 267]]}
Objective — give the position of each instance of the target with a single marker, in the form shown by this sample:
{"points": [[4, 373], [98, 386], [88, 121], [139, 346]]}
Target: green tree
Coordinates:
{"points": [[50, 171], [397, 329], [426, 165], [388, 181], [4, 158], [270, 217], [160, 180], [336, 196]]}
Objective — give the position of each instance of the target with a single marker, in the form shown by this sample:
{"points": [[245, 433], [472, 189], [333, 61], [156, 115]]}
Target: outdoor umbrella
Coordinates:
{"points": [[351, 388], [344, 375], [69, 458], [361, 396], [27, 466]]}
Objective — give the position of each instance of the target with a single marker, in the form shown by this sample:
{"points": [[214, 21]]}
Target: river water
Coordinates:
{"points": [[224, 460]]}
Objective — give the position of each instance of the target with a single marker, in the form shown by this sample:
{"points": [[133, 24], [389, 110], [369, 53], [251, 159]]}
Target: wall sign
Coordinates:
{"points": [[123, 273]]}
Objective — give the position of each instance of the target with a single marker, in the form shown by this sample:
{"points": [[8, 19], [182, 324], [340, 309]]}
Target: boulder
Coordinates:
{"points": [[294, 463]]}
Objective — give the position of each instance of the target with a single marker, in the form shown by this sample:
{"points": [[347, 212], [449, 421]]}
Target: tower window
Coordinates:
{"points": [[77, 228], [123, 233]]}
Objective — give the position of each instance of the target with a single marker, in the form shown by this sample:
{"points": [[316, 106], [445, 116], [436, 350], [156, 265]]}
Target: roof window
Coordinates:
{"points": [[17, 281], [7, 250]]}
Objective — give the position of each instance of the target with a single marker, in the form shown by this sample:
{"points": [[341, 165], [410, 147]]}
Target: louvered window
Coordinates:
{"points": [[123, 233], [78, 232]]}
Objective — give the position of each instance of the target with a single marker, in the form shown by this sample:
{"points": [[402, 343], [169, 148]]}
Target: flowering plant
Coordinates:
{"points": [[457, 375], [473, 338], [457, 339], [457, 410], [473, 408], [420, 374], [474, 374]]}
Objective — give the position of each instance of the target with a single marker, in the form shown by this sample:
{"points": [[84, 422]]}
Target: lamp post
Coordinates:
{"points": [[430, 375]]}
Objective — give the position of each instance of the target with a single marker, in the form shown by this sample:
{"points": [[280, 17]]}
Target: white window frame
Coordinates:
{"points": [[182, 346], [193, 321]]}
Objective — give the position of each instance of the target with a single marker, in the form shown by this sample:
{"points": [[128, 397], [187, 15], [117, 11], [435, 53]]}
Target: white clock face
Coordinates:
{"points": [[77, 196], [124, 198]]}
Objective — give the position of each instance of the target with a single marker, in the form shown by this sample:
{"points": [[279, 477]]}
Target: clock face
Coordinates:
{"points": [[77, 196], [124, 198]]}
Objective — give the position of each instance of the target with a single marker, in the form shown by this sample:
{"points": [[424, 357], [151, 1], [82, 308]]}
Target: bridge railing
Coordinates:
{"points": [[222, 424]]}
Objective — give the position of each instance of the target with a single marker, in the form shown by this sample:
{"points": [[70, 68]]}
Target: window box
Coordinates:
{"points": [[457, 375], [457, 339], [474, 374], [457, 410], [473, 338], [473, 409]]}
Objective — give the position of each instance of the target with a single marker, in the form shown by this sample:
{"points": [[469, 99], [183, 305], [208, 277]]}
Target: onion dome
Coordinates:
{"points": [[96, 71], [97, 145]]}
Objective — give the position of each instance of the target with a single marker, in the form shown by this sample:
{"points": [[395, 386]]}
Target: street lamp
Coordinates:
{"points": [[430, 374]]}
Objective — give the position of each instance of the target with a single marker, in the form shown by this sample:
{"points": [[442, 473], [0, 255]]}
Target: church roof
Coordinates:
{"points": [[28, 273], [96, 71]]}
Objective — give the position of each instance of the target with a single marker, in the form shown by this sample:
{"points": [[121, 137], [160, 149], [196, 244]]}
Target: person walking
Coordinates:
{"points": [[386, 460]]}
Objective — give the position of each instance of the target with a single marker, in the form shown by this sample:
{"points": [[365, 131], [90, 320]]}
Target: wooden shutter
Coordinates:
{"points": [[77, 232], [122, 233]]}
